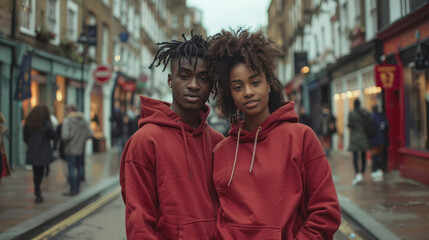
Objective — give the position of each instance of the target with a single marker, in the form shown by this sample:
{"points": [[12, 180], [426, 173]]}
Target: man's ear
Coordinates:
{"points": [[169, 80]]}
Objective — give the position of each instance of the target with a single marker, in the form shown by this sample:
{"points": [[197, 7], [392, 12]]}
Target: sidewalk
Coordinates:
{"points": [[397, 208], [18, 212]]}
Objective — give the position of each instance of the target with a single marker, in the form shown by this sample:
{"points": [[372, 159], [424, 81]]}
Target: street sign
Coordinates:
{"points": [[102, 74]]}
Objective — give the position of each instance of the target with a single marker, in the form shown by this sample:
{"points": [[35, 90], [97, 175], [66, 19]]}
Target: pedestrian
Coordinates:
{"points": [[4, 163], [272, 177], [304, 118], [75, 131], [133, 116], [359, 142], [118, 126], [38, 134], [219, 122], [166, 166], [378, 143], [326, 128]]}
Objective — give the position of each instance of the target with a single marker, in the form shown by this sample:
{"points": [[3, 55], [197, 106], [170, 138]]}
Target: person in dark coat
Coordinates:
{"points": [[304, 118], [359, 142], [38, 133], [378, 143], [326, 126]]}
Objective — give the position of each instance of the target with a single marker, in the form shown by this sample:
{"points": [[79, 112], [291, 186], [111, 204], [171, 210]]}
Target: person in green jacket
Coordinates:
{"points": [[359, 142]]}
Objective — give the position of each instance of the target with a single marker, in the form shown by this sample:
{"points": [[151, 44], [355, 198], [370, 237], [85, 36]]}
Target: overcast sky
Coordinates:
{"points": [[219, 14]]}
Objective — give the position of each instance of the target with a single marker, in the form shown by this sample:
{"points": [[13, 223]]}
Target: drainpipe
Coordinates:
{"points": [[11, 73]]}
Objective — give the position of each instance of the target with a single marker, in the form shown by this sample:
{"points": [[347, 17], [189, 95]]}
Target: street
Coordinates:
{"points": [[104, 219]]}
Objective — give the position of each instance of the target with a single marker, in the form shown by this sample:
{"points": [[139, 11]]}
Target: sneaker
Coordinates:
{"points": [[70, 194], [358, 179], [39, 199], [377, 176]]}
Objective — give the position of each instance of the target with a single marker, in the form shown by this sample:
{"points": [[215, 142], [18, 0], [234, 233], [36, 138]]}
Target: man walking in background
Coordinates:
{"points": [[74, 132]]}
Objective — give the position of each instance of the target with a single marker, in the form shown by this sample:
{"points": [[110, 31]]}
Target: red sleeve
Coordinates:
{"points": [[138, 188], [320, 207]]}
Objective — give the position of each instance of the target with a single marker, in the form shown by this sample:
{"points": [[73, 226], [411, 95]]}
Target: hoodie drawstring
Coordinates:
{"points": [[235, 159], [186, 149], [254, 150]]}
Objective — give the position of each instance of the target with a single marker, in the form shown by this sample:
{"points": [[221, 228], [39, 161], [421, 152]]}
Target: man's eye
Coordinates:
{"points": [[183, 76], [237, 88]]}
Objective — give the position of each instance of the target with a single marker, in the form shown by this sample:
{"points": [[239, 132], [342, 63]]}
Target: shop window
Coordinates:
{"points": [[416, 109], [60, 97]]}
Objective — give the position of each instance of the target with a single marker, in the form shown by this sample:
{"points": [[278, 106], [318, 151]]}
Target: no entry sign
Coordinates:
{"points": [[102, 74]]}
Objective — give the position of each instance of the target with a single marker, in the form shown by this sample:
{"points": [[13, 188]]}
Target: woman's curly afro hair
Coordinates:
{"points": [[256, 51]]}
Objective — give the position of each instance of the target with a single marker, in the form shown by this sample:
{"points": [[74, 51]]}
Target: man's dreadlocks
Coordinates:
{"points": [[256, 51], [197, 47]]}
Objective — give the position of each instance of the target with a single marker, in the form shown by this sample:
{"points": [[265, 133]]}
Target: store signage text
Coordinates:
{"points": [[387, 76]]}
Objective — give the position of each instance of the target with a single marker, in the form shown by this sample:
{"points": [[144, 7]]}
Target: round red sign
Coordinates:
{"points": [[102, 73]]}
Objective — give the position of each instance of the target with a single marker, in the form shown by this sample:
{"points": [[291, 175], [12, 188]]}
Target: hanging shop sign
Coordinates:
{"points": [[102, 74], [387, 76]]}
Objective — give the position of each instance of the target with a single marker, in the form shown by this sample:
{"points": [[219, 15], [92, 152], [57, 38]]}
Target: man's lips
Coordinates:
{"points": [[191, 97]]}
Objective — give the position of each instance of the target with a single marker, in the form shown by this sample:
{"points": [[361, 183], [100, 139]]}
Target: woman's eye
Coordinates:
{"points": [[256, 83], [203, 79]]}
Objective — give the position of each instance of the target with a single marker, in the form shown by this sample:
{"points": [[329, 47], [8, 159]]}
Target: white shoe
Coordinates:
{"points": [[377, 176], [358, 179]]}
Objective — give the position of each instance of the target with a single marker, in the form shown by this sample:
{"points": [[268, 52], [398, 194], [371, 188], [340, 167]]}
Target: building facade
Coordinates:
{"points": [[69, 42]]}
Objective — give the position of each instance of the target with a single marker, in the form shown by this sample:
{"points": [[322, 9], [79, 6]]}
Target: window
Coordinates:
{"points": [[28, 16], [187, 21], [416, 109], [53, 18], [117, 8], [72, 25], [92, 50], [357, 12], [174, 24], [106, 3]]}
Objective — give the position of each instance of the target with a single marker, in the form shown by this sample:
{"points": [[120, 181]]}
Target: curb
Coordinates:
{"points": [[374, 227], [36, 224]]}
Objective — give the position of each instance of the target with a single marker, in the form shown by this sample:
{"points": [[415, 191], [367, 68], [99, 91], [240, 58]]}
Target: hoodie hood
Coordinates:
{"points": [[159, 113], [286, 113]]}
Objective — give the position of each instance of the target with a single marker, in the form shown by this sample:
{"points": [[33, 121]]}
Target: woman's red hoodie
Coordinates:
{"points": [[165, 175], [281, 185]]}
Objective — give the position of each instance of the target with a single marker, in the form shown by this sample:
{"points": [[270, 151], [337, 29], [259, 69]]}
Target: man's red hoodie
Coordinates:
{"points": [[274, 182], [166, 176]]}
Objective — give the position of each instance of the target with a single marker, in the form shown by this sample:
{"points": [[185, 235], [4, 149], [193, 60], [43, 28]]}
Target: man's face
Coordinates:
{"points": [[190, 88]]}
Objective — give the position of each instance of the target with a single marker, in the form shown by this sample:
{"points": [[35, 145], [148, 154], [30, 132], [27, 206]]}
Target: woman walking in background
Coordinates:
{"points": [[38, 133]]}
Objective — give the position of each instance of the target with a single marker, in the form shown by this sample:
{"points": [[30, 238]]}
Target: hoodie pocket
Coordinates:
{"points": [[197, 230], [239, 231]]}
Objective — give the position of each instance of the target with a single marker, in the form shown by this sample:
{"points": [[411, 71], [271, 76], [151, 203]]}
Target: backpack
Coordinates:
{"points": [[369, 126]]}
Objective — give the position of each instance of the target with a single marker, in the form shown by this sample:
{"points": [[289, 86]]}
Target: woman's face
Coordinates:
{"points": [[250, 92]]}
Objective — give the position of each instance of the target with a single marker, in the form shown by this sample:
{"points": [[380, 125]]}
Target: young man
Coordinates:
{"points": [[166, 165], [75, 131]]}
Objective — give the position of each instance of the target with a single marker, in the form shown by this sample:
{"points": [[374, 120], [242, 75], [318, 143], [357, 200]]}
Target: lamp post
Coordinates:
{"points": [[83, 39]]}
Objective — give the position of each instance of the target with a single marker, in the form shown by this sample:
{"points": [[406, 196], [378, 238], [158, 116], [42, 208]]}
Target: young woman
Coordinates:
{"points": [[271, 174], [38, 133]]}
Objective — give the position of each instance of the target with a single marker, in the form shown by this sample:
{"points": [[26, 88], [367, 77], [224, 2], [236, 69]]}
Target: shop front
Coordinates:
{"points": [[408, 105]]}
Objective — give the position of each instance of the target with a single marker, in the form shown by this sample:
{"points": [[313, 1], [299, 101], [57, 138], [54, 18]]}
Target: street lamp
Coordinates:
{"points": [[83, 39]]}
